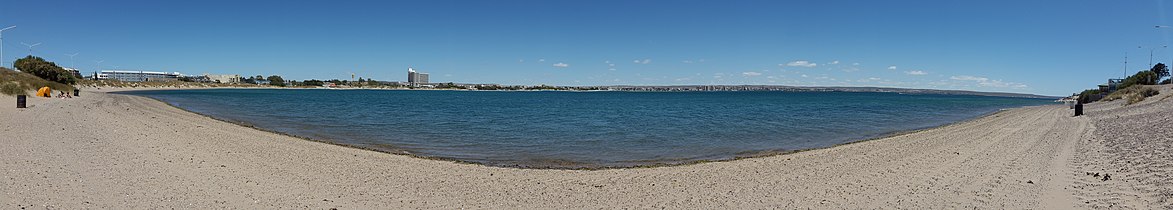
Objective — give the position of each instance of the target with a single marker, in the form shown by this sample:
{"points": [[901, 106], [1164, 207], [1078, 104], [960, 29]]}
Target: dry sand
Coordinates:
{"points": [[116, 151]]}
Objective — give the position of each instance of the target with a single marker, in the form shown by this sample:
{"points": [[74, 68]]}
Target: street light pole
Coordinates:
{"points": [[2, 44], [30, 47], [71, 63], [98, 69]]}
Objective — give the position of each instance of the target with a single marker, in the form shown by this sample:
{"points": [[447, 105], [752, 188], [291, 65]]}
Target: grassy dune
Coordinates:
{"points": [[20, 83]]}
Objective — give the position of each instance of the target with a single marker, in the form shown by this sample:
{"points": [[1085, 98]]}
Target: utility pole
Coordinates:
{"points": [[31, 47], [2, 63]]}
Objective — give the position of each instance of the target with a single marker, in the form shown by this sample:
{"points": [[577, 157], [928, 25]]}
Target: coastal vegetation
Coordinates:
{"points": [[1132, 87], [45, 70], [1132, 94], [1087, 95], [276, 80], [19, 83]]}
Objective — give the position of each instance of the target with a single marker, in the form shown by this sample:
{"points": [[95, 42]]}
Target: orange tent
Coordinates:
{"points": [[45, 92]]}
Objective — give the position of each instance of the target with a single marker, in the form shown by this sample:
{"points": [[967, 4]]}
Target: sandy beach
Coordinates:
{"points": [[112, 151]]}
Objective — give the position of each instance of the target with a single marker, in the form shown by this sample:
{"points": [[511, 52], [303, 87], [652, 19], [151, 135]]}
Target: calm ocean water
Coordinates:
{"points": [[582, 129]]}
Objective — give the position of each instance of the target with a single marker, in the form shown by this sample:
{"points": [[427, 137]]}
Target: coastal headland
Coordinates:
{"points": [[104, 150]]}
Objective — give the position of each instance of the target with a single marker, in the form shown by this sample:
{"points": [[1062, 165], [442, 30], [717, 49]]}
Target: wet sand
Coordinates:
{"points": [[116, 151]]}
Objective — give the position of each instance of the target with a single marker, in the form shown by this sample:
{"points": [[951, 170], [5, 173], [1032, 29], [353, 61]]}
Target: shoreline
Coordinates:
{"points": [[394, 150], [119, 151]]}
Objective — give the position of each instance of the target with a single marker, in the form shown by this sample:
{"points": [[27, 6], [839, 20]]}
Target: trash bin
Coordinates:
{"points": [[20, 101], [1078, 109], [75, 91]]}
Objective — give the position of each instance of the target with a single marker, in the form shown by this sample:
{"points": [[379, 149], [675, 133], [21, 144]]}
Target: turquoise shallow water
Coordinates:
{"points": [[582, 129]]}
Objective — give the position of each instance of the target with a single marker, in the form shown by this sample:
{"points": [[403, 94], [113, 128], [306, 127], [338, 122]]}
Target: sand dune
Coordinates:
{"points": [[116, 151], [1128, 163]]}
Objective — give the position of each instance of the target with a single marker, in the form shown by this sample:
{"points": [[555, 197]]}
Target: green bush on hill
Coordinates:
{"points": [[1086, 95], [45, 70], [1140, 78]]}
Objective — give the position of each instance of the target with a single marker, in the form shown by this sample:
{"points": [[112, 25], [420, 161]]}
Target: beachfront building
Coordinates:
{"points": [[223, 78], [416, 78], [74, 72], [139, 75]]}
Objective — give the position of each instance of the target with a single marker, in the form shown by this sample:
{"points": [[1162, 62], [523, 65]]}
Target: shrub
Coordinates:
{"points": [[1086, 95], [12, 88], [45, 70], [1145, 77], [1132, 94]]}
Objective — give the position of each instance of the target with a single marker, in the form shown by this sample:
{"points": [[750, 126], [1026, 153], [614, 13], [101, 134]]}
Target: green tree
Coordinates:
{"points": [[276, 80], [1161, 70], [312, 82], [45, 70], [1145, 77], [1086, 95]]}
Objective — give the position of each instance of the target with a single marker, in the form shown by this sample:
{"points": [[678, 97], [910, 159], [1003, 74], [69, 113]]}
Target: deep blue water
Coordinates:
{"points": [[582, 129]]}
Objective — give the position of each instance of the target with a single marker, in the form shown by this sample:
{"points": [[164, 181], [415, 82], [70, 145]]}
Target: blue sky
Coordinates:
{"points": [[1041, 47]]}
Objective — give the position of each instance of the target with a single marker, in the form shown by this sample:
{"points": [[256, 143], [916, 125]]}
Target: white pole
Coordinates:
{"points": [[98, 69], [2, 63], [71, 63], [30, 47]]}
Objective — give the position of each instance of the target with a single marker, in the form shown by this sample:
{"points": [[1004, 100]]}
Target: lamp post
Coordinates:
{"points": [[1158, 29], [71, 63], [30, 47], [98, 68], [2, 44]]}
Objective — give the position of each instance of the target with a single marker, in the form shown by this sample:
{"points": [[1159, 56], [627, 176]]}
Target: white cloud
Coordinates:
{"points": [[916, 72], [542, 60], [804, 75], [834, 62], [612, 69], [854, 64], [607, 62], [561, 65], [892, 67], [687, 61], [802, 63], [751, 74], [987, 82], [644, 61]]}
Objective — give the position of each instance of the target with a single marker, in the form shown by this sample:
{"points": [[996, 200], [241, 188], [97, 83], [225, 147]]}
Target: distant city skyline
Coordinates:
{"points": [[1049, 48]]}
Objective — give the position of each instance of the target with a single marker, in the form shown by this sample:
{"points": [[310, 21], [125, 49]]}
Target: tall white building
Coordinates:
{"points": [[411, 76], [416, 78]]}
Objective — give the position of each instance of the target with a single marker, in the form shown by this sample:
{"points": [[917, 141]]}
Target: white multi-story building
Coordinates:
{"points": [[416, 78], [139, 76]]}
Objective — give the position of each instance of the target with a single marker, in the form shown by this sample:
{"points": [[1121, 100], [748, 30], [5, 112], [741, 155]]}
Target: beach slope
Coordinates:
{"points": [[106, 150]]}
